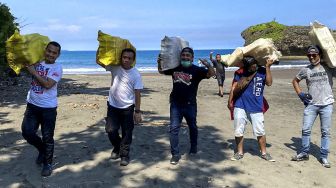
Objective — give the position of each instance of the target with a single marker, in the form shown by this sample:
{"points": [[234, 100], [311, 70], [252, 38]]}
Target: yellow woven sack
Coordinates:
{"points": [[22, 50], [110, 47]]}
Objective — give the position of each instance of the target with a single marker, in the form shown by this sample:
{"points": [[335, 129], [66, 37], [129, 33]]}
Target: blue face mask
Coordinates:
{"points": [[186, 64]]}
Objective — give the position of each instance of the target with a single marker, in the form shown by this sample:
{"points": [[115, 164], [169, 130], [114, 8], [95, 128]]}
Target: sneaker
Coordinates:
{"points": [[237, 156], [124, 161], [114, 155], [39, 159], [46, 170], [175, 159], [267, 157], [301, 157], [325, 162]]}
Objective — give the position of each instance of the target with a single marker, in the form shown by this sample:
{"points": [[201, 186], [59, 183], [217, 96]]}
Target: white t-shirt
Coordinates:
{"points": [[40, 96], [123, 84]]}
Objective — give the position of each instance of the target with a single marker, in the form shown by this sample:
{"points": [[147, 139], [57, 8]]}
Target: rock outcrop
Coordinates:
{"points": [[290, 40]]}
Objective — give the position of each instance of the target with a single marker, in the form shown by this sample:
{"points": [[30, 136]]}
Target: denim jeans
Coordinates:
{"points": [[177, 112], [46, 117], [309, 116], [117, 118]]}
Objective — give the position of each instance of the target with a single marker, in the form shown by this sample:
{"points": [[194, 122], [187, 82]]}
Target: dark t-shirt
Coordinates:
{"points": [[185, 83], [220, 68]]}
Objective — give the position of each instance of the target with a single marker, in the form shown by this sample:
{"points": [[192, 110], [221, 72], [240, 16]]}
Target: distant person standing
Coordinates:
{"points": [[186, 79], [318, 101], [123, 105], [220, 72], [42, 105]]}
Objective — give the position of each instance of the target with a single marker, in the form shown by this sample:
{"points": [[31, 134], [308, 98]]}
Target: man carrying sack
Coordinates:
{"points": [[247, 92]]}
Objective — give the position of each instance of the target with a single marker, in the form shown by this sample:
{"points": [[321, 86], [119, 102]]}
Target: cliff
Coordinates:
{"points": [[290, 40]]}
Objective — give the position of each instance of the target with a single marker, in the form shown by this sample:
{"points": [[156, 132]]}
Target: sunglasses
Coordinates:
{"points": [[312, 55]]}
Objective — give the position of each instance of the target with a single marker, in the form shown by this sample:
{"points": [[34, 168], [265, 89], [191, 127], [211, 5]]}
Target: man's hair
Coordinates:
{"points": [[188, 49], [128, 50], [55, 44], [248, 61]]}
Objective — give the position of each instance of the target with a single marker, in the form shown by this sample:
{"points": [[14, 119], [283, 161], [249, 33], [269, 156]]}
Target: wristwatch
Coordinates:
{"points": [[137, 111]]}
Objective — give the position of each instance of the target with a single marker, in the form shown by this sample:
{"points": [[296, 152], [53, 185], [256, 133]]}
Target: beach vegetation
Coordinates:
{"points": [[7, 28], [273, 30]]}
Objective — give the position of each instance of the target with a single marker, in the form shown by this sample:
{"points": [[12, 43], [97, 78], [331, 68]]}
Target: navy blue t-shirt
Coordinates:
{"points": [[185, 83], [251, 99]]}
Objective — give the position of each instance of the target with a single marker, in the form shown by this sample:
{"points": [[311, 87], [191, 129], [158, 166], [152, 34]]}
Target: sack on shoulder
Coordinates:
{"points": [[242, 85]]}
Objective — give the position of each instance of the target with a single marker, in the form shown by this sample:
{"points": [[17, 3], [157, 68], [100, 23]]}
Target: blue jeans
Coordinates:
{"points": [[177, 112], [309, 116], [46, 117]]}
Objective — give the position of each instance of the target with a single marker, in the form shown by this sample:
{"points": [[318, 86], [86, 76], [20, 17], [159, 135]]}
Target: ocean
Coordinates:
{"points": [[84, 62]]}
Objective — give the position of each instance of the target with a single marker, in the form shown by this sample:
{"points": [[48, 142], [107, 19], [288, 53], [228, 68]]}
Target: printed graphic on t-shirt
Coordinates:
{"points": [[36, 87], [182, 77], [318, 77], [258, 85]]}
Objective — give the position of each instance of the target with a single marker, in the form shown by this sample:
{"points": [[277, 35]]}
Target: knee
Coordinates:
{"points": [[325, 133], [48, 138], [174, 129], [28, 134], [306, 132]]}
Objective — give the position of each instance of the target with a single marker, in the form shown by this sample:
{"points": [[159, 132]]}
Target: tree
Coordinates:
{"points": [[7, 28]]}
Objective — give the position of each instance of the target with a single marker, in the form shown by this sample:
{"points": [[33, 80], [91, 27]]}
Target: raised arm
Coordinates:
{"points": [[269, 79], [211, 70], [211, 56]]}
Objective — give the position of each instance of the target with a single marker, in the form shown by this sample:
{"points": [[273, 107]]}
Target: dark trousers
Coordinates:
{"points": [[117, 118], [177, 112], [46, 117]]}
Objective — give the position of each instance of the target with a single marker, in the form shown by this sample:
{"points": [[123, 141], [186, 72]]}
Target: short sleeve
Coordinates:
{"points": [[138, 82], [302, 74], [56, 73]]}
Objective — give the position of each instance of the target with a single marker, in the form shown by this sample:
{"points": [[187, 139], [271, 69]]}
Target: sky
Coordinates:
{"points": [[206, 24]]}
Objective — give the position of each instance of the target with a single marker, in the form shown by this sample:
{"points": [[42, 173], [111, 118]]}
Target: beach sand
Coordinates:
{"points": [[82, 149]]}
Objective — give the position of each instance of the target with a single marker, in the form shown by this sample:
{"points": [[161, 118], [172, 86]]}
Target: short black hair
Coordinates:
{"points": [[128, 50], [248, 61], [188, 49], [55, 44]]}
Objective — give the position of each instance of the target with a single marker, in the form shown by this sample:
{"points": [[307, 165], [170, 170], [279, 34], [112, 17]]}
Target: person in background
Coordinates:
{"points": [[123, 105], [42, 106], [220, 72], [249, 103], [186, 79], [318, 101]]}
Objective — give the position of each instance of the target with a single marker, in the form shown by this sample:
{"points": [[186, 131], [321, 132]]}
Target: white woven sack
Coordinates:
{"points": [[320, 35], [171, 48]]}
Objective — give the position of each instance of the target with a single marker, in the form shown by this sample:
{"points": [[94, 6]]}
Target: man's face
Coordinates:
{"points": [[187, 56], [314, 58], [218, 58], [252, 67], [51, 53], [127, 59]]}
